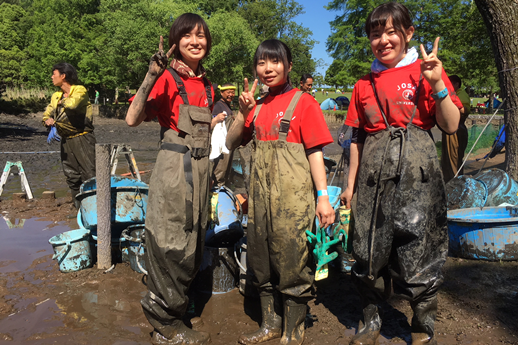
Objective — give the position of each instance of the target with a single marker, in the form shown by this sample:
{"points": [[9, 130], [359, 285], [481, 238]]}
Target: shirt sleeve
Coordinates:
{"points": [[78, 99], [156, 97], [353, 112], [451, 92], [313, 127]]}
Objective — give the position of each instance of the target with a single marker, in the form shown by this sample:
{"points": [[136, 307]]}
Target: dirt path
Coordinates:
{"points": [[40, 305]]}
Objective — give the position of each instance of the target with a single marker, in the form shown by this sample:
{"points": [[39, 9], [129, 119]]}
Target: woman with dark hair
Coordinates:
{"points": [[400, 239], [288, 131], [70, 114], [177, 212]]}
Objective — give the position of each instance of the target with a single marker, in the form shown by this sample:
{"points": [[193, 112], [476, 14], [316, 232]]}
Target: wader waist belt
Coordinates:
{"points": [[187, 167]]}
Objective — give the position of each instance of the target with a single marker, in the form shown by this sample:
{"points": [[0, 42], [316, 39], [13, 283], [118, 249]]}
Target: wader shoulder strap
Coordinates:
{"points": [[285, 121], [187, 167], [181, 87]]}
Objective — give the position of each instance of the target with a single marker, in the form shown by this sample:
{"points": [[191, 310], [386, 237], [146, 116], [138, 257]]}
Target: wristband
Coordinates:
{"points": [[440, 95], [322, 192]]}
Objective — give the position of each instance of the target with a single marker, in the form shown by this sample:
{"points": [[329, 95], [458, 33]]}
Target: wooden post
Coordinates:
{"points": [[102, 172]]}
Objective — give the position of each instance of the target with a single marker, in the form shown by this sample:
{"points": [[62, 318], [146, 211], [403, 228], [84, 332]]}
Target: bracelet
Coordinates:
{"points": [[441, 94], [322, 192]]}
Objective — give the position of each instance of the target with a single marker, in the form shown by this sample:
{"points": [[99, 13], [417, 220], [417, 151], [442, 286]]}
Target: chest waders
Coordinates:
{"points": [[177, 216], [400, 233], [223, 164], [281, 209]]}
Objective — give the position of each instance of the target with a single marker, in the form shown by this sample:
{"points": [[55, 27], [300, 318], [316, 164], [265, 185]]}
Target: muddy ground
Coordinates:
{"points": [[478, 303]]}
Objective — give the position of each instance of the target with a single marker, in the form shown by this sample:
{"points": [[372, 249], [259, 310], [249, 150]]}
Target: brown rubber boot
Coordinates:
{"points": [[179, 334], [271, 324], [369, 331], [422, 339], [294, 322]]}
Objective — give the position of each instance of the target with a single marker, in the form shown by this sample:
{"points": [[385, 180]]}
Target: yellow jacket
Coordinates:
{"points": [[73, 117]]}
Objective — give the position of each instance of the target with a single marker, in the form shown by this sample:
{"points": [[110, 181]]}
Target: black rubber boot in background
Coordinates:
{"points": [[179, 334], [423, 322], [271, 324], [369, 331], [294, 321]]}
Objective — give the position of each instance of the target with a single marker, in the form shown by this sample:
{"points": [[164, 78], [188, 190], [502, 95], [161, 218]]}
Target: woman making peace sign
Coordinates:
{"points": [[288, 132], [401, 226]]}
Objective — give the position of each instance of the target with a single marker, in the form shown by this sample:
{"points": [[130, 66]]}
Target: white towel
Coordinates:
{"points": [[217, 141]]}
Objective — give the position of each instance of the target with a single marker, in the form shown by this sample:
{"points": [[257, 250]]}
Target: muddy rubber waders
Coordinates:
{"points": [[294, 321], [271, 324], [369, 332], [423, 321]]}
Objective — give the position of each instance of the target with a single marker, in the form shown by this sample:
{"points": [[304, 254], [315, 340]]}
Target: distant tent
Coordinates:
{"points": [[342, 101], [328, 104], [496, 103], [498, 144]]}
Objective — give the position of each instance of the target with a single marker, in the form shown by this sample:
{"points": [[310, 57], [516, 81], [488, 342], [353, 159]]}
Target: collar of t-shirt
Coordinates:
{"points": [[287, 88], [410, 57], [184, 70]]}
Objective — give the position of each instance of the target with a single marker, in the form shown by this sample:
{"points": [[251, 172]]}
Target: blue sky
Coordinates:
{"points": [[317, 19]]}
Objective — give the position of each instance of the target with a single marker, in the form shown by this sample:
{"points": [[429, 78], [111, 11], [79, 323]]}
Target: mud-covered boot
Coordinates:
{"points": [[271, 324], [294, 322], [179, 334], [423, 321], [369, 331]]}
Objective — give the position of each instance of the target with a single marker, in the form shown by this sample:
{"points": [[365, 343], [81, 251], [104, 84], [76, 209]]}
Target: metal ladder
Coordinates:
{"points": [[7, 171], [124, 149]]}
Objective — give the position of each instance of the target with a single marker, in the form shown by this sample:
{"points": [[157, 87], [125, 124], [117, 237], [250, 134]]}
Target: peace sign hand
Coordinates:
{"points": [[246, 100], [160, 60], [431, 66]]}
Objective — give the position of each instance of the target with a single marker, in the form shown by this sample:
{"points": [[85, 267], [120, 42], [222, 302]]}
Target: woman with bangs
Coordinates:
{"points": [[177, 211], [400, 239], [288, 131]]}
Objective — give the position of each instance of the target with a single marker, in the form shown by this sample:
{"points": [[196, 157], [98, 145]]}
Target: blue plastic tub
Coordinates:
{"points": [[501, 187], [72, 250], [489, 233], [128, 203], [465, 192], [228, 229]]}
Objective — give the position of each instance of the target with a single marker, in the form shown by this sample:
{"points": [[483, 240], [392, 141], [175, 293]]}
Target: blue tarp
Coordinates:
{"points": [[328, 104], [342, 100]]}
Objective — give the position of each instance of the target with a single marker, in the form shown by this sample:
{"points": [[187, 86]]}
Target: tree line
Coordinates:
{"points": [[111, 41]]}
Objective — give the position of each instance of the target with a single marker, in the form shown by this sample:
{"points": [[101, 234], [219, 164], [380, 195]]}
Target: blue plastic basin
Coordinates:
{"points": [[489, 233]]}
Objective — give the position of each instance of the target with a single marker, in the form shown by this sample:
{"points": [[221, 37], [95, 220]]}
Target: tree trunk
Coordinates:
{"points": [[501, 19]]}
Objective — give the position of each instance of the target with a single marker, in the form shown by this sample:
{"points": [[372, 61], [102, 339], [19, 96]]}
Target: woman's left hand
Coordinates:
{"points": [[431, 66], [324, 212]]}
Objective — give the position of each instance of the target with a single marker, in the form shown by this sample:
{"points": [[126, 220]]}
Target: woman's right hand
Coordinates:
{"points": [[49, 121], [347, 196], [247, 100], [160, 60]]}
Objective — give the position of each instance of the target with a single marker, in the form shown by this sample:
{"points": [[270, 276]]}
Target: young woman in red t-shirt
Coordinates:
{"points": [[288, 132], [177, 210], [400, 233]]}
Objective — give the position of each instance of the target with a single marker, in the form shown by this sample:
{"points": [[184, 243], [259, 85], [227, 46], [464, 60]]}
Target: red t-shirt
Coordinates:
{"points": [[307, 125], [396, 89], [164, 100]]}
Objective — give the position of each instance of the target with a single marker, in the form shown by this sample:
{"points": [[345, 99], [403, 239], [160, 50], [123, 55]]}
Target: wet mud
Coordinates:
{"points": [[478, 303]]}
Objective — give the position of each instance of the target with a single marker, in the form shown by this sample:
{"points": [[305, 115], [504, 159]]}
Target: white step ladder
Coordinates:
{"points": [[7, 172]]}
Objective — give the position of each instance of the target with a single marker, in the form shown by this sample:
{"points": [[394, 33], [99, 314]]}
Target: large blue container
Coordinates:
{"points": [[465, 192], [490, 233], [500, 187], [72, 250], [129, 198], [228, 229]]}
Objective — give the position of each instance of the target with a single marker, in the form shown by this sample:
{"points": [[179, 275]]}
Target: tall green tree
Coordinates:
{"points": [[12, 55]]}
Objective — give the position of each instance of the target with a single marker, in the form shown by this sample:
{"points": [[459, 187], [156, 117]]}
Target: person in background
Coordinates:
{"points": [[400, 240], [288, 131], [96, 101], [178, 205], [454, 145], [306, 83], [70, 114], [222, 165]]}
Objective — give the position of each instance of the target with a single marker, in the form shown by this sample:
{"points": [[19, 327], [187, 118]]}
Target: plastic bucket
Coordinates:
{"points": [[465, 192], [228, 229], [72, 250], [334, 196], [500, 187], [135, 250]]}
